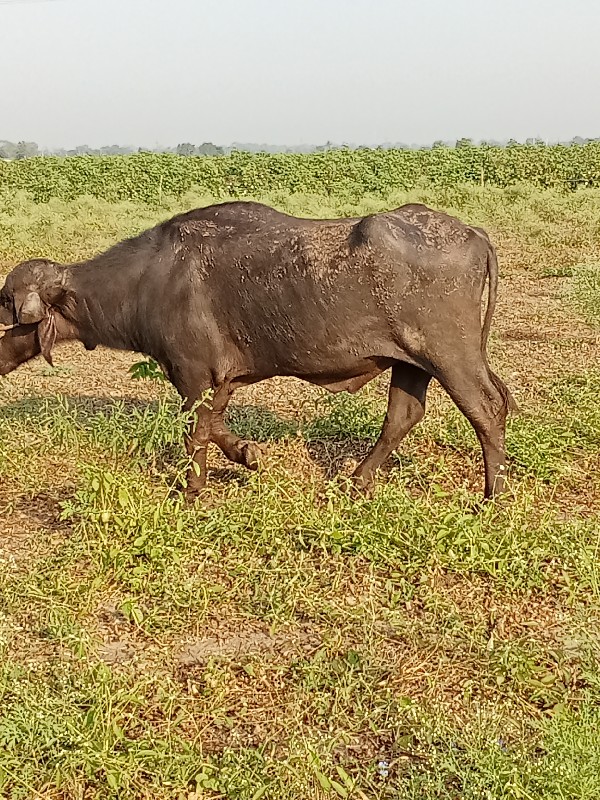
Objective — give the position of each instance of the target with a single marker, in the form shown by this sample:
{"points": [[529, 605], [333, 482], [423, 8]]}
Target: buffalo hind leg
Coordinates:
{"points": [[484, 400], [236, 449], [406, 407]]}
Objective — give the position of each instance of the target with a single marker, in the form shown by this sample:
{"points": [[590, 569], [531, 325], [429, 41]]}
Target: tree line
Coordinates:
{"points": [[17, 150], [14, 151]]}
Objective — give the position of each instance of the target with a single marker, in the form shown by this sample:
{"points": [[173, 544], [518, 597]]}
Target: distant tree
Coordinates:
{"points": [[7, 149], [80, 150], [113, 150], [464, 143], [209, 149], [26, 150], [512, 143], [185, 149], [437, 144]]}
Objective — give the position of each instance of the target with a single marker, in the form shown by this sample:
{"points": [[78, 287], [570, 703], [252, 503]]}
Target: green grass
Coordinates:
{"points": [[276, 551], [585, 291], [540, 221], [284, 638]]}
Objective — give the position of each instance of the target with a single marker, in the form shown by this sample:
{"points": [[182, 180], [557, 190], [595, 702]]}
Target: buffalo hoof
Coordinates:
{"points": [[189, 494], [194, 488], [251, 455], [192, 494], [362, 485]]}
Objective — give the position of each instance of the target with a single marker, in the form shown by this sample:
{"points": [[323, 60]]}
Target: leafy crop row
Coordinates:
{"points": [[148, 177]]}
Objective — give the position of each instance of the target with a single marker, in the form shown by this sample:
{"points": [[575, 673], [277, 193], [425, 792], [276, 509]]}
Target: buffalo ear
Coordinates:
{"points": [[46, 333], [30, 309]]}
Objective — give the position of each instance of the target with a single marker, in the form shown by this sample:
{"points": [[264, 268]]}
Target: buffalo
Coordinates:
{"points": [[235, 293]]}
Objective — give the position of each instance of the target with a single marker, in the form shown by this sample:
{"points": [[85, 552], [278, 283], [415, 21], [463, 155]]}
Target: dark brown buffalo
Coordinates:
{"points": [[229, 295]]}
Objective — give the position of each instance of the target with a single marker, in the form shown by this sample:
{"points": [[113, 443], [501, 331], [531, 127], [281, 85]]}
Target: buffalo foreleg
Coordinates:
{"points": [[196, 445], [406, 407], [236, 449], [208, 425]]}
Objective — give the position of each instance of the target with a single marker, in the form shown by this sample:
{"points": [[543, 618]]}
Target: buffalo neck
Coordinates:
{"points": [[104, 291]]}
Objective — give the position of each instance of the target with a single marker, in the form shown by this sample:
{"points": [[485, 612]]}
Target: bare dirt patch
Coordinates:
{"points": [[251, 640]]}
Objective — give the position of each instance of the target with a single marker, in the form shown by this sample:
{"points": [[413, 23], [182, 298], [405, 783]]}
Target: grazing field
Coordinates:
{"points": [[284, 639]]}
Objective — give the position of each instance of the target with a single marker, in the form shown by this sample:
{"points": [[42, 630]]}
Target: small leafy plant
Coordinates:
{"points": [[147, 370]]}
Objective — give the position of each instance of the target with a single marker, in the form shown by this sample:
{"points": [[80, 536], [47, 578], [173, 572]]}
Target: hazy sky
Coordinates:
{"points": [[147, 72]]}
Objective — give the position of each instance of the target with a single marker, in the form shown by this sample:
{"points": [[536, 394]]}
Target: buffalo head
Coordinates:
{"points": [[17, 345], [28, 302]]}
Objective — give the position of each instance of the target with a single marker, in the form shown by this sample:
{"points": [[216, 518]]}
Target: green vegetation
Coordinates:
{"points": [[533, 228], [585, 290], [283, 638], [149, 177]]}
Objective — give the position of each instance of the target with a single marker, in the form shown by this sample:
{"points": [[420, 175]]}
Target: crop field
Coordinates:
{"points": [[343, 173], [284, 638]]}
